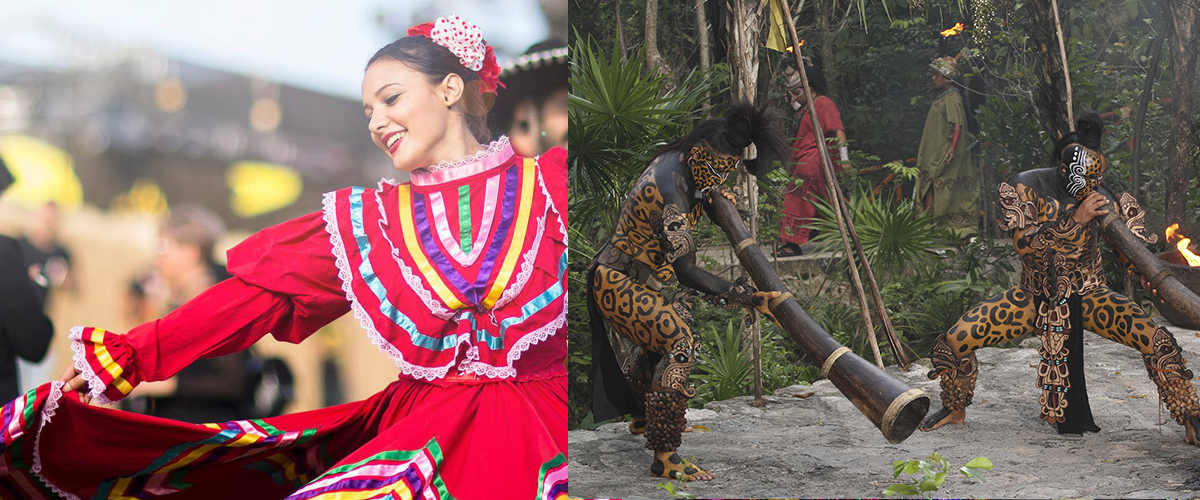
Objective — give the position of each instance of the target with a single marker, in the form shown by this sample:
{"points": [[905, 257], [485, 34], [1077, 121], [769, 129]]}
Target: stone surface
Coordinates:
{"points": [[821, 446]]}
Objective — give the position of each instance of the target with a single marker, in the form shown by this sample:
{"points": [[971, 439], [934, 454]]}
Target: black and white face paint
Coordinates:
{"points": [[1085, 169]]}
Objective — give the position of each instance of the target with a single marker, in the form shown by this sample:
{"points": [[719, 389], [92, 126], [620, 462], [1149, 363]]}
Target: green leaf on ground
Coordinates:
{"points": [[900, 489]]}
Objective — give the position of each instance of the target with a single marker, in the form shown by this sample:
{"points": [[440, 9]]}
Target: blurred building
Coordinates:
{"points": [[190, 129]]}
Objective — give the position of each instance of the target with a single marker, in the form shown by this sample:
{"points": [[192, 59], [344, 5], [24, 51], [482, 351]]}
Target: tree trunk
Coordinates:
{"points": [[825, 10], [702, 30], [620, 35], [1049, 102], [744, 29], [1182, 29], [743, 49], [654, 59], [1139, 126]]}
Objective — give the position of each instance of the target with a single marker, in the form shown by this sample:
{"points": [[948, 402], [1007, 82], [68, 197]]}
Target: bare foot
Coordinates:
{"points": [[1191, 427], [943, 417], [670, 465]]}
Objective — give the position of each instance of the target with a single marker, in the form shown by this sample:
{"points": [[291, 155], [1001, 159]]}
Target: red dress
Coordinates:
{"points": [[459, 276], [805, 168]]}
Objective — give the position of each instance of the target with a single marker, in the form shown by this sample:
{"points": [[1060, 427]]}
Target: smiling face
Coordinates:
{"points": [[407, 115]]}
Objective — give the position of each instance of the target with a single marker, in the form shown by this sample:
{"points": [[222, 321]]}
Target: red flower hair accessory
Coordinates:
{"points": [[465, 41]]}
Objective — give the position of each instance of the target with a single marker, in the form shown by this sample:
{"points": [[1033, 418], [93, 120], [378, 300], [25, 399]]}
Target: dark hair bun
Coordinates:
{"points": [[738, 132], [1089, 126]]}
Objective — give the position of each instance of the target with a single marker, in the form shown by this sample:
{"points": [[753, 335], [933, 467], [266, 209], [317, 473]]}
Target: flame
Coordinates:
{"points": [[1192, 259], [790, 49], [958, 27]]}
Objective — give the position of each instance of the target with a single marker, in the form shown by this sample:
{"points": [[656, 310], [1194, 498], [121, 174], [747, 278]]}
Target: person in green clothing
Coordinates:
{"points": [[946, 184]]}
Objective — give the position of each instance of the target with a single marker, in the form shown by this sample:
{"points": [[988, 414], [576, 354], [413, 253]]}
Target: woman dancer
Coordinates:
{"points": [[457, 276]]}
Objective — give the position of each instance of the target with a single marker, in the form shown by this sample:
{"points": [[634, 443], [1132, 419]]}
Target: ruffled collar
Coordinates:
{"points": [[495, 154]]}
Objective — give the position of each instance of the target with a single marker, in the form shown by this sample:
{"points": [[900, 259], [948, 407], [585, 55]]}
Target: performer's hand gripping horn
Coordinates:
{"points": [[1156, 271]]}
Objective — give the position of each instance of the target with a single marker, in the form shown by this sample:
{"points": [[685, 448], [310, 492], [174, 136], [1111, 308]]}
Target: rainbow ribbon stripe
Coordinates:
{"points": [[392, 475], [552, 479], [19, 418], [166, 474], [442, 277]]}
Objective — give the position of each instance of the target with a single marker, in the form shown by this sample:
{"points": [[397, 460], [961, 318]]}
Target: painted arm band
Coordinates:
{"points": [[1015, 213], [677, 233], [1135, 220]]}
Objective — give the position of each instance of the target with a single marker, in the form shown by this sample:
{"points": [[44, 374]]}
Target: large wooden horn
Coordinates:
{"points": [[1156, 271], [894, 407]]}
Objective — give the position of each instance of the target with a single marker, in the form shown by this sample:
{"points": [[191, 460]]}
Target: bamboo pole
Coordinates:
{"points": [[1062, 48], [834, 197], [845, 223]]}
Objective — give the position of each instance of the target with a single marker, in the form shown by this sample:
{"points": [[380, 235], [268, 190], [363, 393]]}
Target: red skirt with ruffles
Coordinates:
{"points": [[461, 438]]}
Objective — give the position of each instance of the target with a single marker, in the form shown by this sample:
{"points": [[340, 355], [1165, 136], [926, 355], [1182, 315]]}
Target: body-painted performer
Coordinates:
{"points": [[1053, 214], [456, 275], [808, 178], [630, 283], [948, 184]]}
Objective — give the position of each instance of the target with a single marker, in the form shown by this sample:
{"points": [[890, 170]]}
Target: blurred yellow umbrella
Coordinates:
{"points": [[43, 172], [143, 197], [259, 188]]}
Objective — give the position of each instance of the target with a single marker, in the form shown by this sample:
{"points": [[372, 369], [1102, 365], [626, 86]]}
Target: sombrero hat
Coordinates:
{"points": [[541, 68]]}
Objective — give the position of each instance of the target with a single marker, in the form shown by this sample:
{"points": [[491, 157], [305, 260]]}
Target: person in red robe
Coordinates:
{"points": [[808, 178], [457, 275]]}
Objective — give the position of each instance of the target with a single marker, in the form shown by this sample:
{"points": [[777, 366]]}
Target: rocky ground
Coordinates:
{"points": [[822, 446]]}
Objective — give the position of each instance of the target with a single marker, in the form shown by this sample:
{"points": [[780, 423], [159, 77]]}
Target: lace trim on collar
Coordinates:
{"points": [[491, 149], [438, 172]]}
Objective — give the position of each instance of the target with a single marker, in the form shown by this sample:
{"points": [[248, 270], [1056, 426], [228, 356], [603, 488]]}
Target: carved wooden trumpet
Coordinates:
{"points": [[894, 407], [1156, 271]]}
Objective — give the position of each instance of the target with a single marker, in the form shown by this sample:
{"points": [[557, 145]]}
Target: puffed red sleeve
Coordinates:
{"points": [[553, 164], [285, 283], [831, 118]]}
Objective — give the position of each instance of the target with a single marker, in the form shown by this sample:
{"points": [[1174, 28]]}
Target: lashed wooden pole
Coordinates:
{"points": [[842, 212], [1062, 49]]}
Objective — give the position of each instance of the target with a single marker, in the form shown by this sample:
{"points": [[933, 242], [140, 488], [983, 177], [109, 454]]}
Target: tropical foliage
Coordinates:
{"points": [[875, 55]]}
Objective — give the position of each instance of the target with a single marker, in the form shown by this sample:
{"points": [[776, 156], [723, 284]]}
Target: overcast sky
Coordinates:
{"points": [[316, 44]]}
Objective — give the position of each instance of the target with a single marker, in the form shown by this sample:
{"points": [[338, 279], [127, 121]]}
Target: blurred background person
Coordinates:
{"points": [[947, 185], [808, 177], [49, 261], [532, 110], [25, 331], [210, 389]]}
